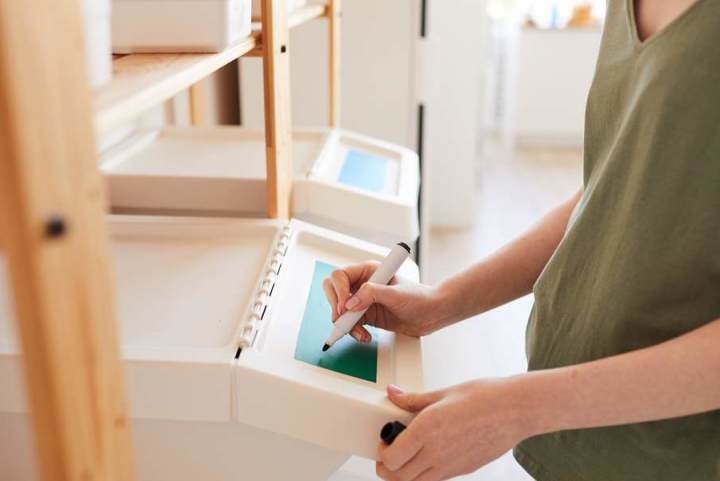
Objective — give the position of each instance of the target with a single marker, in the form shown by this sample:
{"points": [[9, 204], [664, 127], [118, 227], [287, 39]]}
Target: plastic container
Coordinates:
{"points": [[212, 313], [98, 54], [343, 181], [178, 25], [292, 5]]}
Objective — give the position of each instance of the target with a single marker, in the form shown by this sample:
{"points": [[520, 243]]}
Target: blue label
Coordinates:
{"points": [[364, 171]]}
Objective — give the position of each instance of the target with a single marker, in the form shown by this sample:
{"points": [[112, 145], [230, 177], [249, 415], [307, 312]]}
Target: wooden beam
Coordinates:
{"points": [[169, 112], [278, 120], [52, 208], [334, 13], [198, 103]]}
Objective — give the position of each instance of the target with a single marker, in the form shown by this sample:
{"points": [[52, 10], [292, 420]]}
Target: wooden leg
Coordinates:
{"points": [[52, 214], [334, 18], [278, 121], [198, 108], [169, 112]]}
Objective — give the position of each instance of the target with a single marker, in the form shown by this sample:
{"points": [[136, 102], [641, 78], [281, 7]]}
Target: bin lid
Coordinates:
{"points": [[184, 286], [186, 283]]}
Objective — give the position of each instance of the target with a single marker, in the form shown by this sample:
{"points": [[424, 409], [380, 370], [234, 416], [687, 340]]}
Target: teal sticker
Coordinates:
{"points": [[346, 356]]}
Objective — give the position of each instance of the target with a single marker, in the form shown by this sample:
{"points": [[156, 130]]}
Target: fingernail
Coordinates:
{"points": [[352, 303], [394, 389]]}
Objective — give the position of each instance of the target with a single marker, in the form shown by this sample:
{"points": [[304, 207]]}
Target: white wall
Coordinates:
{"points": [[554, 70], [376, 73], [452, 74]]}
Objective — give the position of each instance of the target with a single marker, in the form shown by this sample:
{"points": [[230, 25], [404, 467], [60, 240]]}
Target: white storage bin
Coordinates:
{"points": [[178, 25], [344, 181], [190, 292], [292, 5], [98, 54]]}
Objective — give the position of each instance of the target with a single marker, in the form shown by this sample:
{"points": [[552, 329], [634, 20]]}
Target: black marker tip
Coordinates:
{"points": [[325, 347]]}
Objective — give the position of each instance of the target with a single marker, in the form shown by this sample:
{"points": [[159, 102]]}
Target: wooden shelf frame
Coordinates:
{"points": [[142, 81], [52, 214], [53, 204]]}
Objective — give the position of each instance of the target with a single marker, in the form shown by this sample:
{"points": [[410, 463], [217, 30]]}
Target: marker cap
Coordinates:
{"points": [[391, 430]]}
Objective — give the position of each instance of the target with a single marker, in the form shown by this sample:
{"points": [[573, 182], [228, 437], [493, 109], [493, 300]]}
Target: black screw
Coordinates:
{"points": [[283, 49], [55, 227]]}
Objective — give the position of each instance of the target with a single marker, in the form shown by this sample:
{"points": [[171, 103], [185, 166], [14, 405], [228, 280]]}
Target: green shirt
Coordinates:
{"points": [[640, 260]]}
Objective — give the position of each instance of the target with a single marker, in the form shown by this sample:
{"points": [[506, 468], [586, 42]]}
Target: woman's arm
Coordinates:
{"points": [[483, 419], [417, 310], [676, 378], [510, 272]]}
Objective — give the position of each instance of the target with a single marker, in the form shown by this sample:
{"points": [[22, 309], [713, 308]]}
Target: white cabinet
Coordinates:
{"points": [[222, 323]]}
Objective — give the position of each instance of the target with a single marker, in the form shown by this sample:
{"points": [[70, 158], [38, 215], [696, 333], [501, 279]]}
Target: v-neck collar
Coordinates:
{"points": [[632, 20]]}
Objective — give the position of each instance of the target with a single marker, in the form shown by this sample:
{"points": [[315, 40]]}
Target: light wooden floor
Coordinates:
{"points": [[515, 190]]}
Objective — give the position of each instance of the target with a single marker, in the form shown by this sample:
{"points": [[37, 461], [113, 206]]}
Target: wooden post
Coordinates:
{"points": [[52, 212], [169, 112], [278, 120], [198, 101], [334, 14]]}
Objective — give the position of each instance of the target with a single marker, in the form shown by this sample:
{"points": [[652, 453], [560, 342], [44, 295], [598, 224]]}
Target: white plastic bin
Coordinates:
{"points": [[292, 5], [178, 25], [344, 181], [190, 293], [98, 54]]}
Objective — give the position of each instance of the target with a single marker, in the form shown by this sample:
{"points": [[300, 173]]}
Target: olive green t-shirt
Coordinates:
{"points": [[640, 260]]}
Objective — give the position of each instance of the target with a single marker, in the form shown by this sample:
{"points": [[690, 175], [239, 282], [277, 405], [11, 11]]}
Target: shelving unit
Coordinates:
{"points": [[195, 171], [142, 81], [53, 209]]}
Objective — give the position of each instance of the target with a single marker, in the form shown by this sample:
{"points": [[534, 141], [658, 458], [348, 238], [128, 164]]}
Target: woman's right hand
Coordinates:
{"points": [[402, 306]]}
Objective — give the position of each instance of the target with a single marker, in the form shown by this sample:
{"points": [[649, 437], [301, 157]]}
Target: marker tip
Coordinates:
{"points": [[325, 347]]}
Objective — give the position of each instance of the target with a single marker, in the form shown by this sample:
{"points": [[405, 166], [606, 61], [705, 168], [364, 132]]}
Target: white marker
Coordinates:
{"points": [[382, 275]]}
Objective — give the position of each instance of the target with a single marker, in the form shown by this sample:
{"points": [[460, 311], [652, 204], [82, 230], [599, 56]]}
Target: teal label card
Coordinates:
{"points": [[347, 356]]}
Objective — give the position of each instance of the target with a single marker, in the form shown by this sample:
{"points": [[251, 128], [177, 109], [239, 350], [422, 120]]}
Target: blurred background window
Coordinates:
{"points": [[549, 13]]}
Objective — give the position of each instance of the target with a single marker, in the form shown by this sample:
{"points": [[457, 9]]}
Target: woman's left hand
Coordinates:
{"points": [[457, 430]]}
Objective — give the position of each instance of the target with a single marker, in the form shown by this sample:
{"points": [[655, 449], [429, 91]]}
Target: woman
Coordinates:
{"points": [[623, 341]]}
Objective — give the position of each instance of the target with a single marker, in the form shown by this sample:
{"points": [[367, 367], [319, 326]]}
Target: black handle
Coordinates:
{"points": [[391, 430]]}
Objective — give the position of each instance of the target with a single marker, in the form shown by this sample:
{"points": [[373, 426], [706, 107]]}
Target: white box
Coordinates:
{"points": [[178, 25], [98, 54], [190, 292], [292, 5], [221, 170]]}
